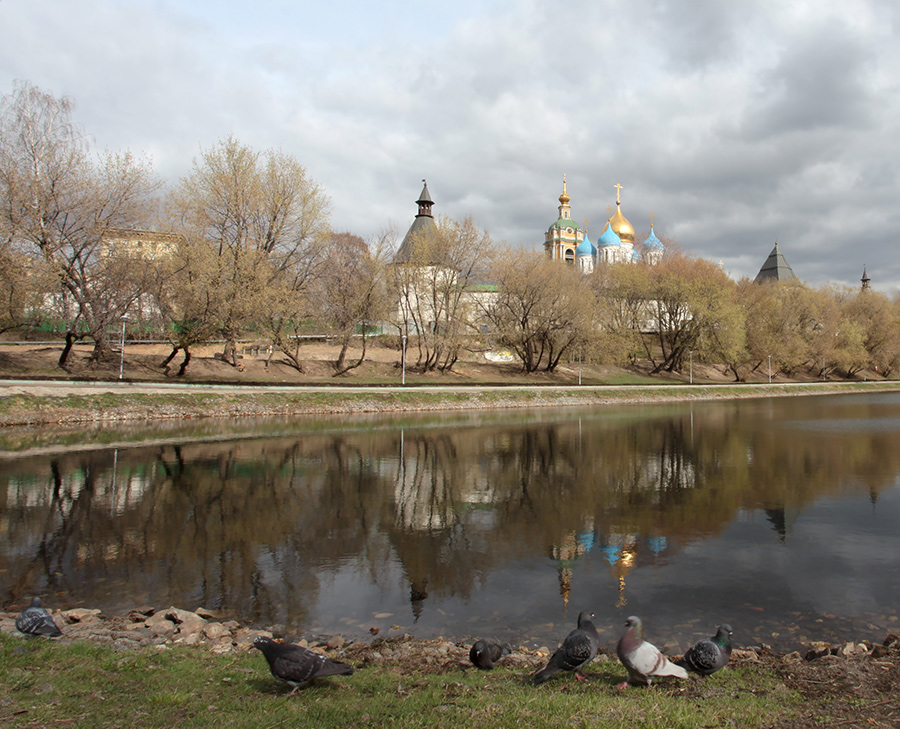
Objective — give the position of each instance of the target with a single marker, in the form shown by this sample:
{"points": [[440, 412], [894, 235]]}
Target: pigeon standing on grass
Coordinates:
{"points": [[710, 654], [642, 659], [296, 665], [485, 653], [577, 650], [35, 620]]}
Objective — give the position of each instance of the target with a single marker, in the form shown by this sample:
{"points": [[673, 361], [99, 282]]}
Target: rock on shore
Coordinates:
{"points": [[146, 626]]}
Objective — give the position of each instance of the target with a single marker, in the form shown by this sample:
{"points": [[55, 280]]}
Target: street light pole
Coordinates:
{"points": [[770, 369], [692, 366], [403, 360], [122, 348]]}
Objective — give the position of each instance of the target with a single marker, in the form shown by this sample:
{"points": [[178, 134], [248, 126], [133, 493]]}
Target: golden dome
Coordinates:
{"points": [[564, 198], [621, 227], [618, 222]]}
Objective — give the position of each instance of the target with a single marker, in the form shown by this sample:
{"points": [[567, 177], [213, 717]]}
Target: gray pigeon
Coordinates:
{"points": [[710, 654], [296, 665], [577, 650], [485, 653], [642, 659], [35, 620]]}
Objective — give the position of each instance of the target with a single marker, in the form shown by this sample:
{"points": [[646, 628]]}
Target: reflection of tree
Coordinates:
{"points": [[255, 525]]}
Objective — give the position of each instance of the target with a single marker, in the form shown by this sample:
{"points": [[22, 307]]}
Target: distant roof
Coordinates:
{"points": [[776, 268], [423, 228]]}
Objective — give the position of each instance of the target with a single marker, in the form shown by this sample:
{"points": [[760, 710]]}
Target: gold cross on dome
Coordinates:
{"points": [[619, 189]]}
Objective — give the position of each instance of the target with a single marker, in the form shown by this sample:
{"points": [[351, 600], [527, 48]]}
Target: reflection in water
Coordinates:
{"points": [[494, 529]]}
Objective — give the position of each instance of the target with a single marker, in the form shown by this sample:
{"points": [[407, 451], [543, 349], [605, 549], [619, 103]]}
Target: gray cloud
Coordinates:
{"points": [[736, 124]]}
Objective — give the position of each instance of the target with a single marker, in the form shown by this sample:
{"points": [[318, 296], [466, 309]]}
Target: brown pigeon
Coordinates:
{"points": [[296, 665]]}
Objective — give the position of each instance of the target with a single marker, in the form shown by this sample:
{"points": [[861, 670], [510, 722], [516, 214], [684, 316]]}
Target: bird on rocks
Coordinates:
{"points": [[35, 620], [710, 654], [642, 659], [577, 650], [485, 653], [296, 665]]}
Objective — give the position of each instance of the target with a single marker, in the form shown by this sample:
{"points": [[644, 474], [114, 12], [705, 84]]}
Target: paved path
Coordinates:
{"points": [[60, 388]]}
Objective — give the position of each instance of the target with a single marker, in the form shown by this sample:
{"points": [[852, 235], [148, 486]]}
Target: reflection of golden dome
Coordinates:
{"points": [[621, 227]]}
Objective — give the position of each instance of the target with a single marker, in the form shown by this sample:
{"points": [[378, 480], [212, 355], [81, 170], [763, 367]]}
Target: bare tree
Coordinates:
{"points": [[59, 202], [264, 222], [349, 291], [542, 309]]}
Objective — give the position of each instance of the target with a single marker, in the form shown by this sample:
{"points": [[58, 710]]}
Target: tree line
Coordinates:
{"points": [[243, 247]]}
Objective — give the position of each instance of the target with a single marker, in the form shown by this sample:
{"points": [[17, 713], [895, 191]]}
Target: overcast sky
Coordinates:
{"points": [[736, 123]]}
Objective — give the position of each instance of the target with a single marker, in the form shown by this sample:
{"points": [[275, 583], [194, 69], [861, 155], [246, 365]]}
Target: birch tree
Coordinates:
{"points": [[60, 200]]}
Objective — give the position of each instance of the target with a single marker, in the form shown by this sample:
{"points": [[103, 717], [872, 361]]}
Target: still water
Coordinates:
{"points": [[779, 516]]}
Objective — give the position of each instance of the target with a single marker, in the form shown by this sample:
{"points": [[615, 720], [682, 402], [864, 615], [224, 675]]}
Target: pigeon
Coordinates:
{"points": [[35, 620], [710, 654], [577, 650], [642, 659], [296, 665], [484, 654]]}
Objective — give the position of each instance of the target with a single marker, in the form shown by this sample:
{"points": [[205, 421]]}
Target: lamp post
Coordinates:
{"points": [[403, 359], [579, 374], [770, 369], [122, 348], [692, 366]]}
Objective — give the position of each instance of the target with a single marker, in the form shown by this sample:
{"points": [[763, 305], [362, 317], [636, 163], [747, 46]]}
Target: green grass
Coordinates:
{"points": [[44, 683]]}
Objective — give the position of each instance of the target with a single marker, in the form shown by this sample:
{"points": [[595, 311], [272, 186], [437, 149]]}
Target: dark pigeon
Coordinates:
{"points": [[577, 650], [35, 620], [297, 665], [484, 654], [643, 660], [710, 654]]}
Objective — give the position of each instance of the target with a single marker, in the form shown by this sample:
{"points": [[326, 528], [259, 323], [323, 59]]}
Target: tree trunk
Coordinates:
{"points": [[184, 362], [71, 338], [353, 365], [175, 350], [230, 353]]}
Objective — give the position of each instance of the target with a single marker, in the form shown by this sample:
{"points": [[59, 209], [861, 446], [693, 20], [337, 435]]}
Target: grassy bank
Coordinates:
{"points": [[82, 684], [37, 403]]}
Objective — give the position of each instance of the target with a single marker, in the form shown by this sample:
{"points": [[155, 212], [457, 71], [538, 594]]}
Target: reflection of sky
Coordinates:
{"points": [[838, 560]]}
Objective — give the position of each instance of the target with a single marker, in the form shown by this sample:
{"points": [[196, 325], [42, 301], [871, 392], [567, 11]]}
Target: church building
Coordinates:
{"points": [[565, 240]]}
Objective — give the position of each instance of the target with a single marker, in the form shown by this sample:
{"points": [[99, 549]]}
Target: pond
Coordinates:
{"points": [[778, 516]]}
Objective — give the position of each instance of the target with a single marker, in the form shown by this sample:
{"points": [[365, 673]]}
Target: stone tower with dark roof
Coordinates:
{"points": [[422, 229], [776, 268]]}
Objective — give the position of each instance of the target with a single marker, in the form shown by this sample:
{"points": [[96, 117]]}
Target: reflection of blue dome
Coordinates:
{"points": [[586, 539], [653, 243], [609, 238], [585, 248], [657, 544], [611, 552]]}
